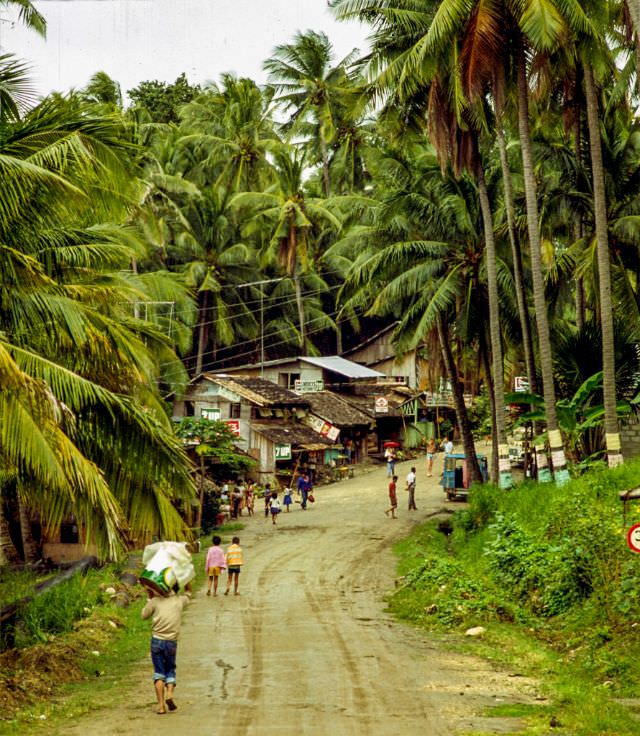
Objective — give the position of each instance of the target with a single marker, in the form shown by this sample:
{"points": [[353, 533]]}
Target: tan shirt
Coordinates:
{"points": [[167, 615]]}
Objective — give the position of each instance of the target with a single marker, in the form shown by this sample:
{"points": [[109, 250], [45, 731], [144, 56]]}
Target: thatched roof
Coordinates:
{"points": [[296, 435], [258, 391], [333, 408]]}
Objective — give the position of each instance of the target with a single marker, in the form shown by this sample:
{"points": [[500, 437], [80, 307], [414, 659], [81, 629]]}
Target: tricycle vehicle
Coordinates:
{"points": [[456, 479]]}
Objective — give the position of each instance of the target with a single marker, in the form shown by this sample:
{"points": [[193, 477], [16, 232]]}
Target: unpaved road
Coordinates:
{"points": [[307, 648]]}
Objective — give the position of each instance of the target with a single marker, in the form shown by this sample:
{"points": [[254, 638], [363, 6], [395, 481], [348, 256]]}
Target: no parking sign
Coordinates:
{"points": [[633, 538]]}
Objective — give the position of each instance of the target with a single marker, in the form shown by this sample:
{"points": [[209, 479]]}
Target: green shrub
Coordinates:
{"points": [[56, 610]]}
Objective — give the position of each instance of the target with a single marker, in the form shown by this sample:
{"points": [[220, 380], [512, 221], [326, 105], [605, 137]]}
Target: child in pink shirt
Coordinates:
{"points": [[214, 565]]}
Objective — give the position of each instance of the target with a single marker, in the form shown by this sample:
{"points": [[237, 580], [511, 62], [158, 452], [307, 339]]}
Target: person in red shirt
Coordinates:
{"points": [[393, 498]]}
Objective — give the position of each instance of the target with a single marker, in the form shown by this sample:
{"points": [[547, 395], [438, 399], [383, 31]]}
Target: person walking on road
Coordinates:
{"points": [[287, 499], [274, 507], [411, 488], [166, 616], [431, 451], [234, 561], [390, 457], [393, 498], [267, 500], [303, 490], [214, 564]]}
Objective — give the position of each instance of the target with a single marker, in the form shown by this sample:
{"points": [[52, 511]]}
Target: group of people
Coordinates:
{"points": [[410, 483], [241, 496], [165, 613], [410, 487]]}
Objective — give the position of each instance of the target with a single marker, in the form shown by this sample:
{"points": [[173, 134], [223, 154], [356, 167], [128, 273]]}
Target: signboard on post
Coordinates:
{"points": [[282, 452], [212, 414], [521, 384], [633, 538], [382, 405]]}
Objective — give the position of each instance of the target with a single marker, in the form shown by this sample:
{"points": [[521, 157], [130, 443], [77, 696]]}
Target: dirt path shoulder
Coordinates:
{"points": [[307, 647]]}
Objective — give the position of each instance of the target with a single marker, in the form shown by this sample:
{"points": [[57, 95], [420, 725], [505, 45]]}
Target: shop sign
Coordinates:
{"points": [[382, 405], [321, 427], [234, 426], [212, 415], [521, 384], [308, 386], [282, 452]]}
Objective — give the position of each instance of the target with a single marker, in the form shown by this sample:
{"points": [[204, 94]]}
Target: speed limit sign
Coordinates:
{"points": [[633, 538]]}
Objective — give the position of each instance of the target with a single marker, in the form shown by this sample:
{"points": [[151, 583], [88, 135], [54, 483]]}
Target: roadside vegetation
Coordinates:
{"points": [[548, 574]]}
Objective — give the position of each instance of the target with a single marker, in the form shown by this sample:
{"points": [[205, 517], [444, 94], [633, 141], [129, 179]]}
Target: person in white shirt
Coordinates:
{"points": [[411, 489], [448, 446]]}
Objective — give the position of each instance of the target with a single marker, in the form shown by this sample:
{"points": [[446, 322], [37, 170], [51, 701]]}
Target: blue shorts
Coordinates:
{"points": [[234, 569], [163, 656]]}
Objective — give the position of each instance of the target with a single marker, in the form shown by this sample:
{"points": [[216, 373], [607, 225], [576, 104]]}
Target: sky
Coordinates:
{"points": [[136, 40]]}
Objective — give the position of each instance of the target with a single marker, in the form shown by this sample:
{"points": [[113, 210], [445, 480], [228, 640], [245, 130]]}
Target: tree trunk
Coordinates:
{"points": [[612, 434], [542, 322], [8, 553], [485, 359], [634, 11], [300, 306], [29, 547], [462, 417], [203, 331], [326, 179], [504, 466], [518, 270]]}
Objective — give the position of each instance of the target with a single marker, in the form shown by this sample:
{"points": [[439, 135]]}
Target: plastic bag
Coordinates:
{"points": [[166, 564]]}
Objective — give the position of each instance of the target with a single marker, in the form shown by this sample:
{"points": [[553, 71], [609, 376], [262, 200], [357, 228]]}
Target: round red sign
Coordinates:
{"points": [[633, 538]]}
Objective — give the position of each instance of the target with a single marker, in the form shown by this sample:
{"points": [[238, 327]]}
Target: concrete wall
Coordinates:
{"points": [[630, 438]]}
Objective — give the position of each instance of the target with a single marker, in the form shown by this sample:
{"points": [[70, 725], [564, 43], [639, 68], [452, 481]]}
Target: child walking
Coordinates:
{"points": [[166, 617], [214, 565], [287, 499], [393, 498], [234, 564], [274, 506]]}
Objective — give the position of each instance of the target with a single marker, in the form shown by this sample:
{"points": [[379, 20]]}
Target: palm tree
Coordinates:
{"points": [[289, 216], [70, 443], [312, 89]]}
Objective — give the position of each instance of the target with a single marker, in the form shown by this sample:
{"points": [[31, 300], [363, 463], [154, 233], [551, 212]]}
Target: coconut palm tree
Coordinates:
{"points": [[312, 89], [289, 216]]}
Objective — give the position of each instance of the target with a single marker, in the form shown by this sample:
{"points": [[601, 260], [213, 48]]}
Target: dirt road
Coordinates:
{"points": [[307, 648]]}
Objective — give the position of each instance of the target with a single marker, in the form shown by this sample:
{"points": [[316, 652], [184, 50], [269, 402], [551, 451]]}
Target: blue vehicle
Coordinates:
{"points": [[455, 478]]}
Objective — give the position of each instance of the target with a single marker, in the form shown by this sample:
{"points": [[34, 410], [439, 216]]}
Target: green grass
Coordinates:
{"points": [[106, 665], [546, 571]]}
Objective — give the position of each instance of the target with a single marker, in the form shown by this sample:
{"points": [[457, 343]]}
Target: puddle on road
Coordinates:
{"points": [[226, 668]]}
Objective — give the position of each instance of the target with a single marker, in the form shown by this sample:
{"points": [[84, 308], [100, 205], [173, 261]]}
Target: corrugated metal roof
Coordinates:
{"points": [[342, 366]]}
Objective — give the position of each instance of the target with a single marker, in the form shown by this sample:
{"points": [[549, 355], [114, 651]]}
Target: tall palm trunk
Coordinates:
{"points": [[504, 466], [8, 553], [203, 331], [612, 435], [516, 254], [485, 359], [29, 546], [464, 425], [634, 11], [542, 322], [326, 177], [577, 230], [294, 269]]}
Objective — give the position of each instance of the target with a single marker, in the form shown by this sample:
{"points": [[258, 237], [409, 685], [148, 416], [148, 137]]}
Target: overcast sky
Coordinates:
{"points": [[134, 40]]}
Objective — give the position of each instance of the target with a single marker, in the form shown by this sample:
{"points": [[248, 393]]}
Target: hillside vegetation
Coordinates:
{"points": [[548, 573]]}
